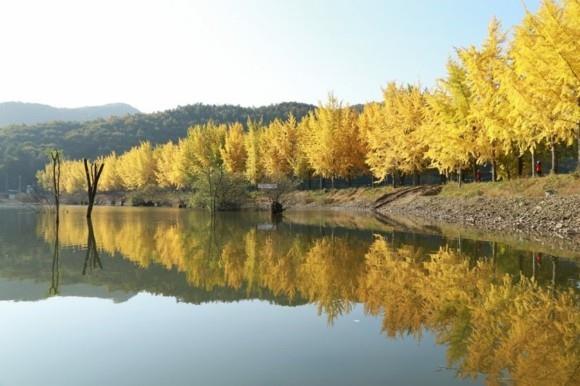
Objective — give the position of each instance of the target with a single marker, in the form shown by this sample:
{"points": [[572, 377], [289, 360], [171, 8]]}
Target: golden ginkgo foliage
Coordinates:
{"points": [[333, 143], [545, 87], [448, 128], [234, 150], [392, 131]]}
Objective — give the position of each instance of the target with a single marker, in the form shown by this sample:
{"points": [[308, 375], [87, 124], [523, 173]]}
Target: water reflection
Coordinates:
{"points": [[92, 260], [510, 314], [55, 277]]}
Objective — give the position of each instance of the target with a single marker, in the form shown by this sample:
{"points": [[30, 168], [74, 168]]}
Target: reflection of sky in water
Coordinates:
{"points": [[153, 340]]}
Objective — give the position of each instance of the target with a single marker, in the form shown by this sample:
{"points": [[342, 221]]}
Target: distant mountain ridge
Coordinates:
{"points": [[15, 113]]}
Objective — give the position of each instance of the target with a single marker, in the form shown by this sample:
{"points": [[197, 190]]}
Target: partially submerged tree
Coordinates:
{"points": [[93, 172], [55, 157]]}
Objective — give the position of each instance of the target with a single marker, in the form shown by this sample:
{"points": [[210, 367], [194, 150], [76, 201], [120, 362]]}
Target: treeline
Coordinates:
{"points": [[499, 103], [23, 148]]}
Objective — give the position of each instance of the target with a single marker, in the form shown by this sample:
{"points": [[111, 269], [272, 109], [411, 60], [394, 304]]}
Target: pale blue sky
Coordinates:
{"points": [[159, 54]]}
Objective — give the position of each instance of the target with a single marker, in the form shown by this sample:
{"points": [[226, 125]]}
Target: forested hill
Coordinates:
{"points": [[23, 148], [12, 113]]}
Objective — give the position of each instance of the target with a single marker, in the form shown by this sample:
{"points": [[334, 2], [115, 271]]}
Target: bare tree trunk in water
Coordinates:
{"points": [[55, 155], [332, 182], [320, 179], [93, 173]]}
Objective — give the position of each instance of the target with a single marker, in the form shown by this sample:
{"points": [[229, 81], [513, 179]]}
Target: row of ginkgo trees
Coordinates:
{"points": [[499, 104]]}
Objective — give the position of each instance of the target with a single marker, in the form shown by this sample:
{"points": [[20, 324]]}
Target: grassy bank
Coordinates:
{"points": [[356, 198], [564, 185], [348, 198]]}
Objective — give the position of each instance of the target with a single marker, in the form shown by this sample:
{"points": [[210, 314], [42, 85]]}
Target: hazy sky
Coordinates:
{"points": [[160, 54]]}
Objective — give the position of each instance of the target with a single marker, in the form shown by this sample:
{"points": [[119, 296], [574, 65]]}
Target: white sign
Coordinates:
{"points": [[267, 186]]}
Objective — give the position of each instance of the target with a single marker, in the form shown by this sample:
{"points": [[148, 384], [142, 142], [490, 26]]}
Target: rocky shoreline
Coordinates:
{"points": [[551, 216]]}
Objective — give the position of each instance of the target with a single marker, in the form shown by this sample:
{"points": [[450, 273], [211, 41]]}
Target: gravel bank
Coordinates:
{"points": [[552, 215]]}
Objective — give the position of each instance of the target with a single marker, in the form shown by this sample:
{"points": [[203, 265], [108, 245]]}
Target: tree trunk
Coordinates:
{"points": [[553, 166], [533, 154], [320, 180], [554, 270], [416, 179], [520, 165], [493, 170], [56, 182], [459, 176], [332, 182], [578, 140], [92, 173]]}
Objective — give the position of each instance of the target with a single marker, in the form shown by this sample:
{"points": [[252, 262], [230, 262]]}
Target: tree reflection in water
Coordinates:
{"points": [[92, 260], [497, 316], [55, 271]]}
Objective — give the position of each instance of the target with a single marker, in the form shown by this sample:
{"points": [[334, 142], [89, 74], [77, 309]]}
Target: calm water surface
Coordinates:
{"points": [[169, 297]]}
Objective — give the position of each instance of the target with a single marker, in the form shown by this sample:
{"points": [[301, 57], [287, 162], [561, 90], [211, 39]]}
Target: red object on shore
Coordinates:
{"points": [[538, 168]]}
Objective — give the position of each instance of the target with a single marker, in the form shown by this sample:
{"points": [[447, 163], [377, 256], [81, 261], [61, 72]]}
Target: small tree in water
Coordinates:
{"points": [[93, 173], [55, 157]]}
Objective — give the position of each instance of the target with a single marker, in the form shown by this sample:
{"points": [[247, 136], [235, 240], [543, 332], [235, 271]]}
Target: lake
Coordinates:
{"points": [[151, 296]]}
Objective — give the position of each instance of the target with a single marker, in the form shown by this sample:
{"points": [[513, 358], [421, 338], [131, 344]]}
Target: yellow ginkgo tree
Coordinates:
{"points": [[333, 143], [489, 112], [448, 129], [545, 90]]}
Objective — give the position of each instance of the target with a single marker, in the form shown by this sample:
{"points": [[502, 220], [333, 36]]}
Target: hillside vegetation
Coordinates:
{"points": [[23, 147]]}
